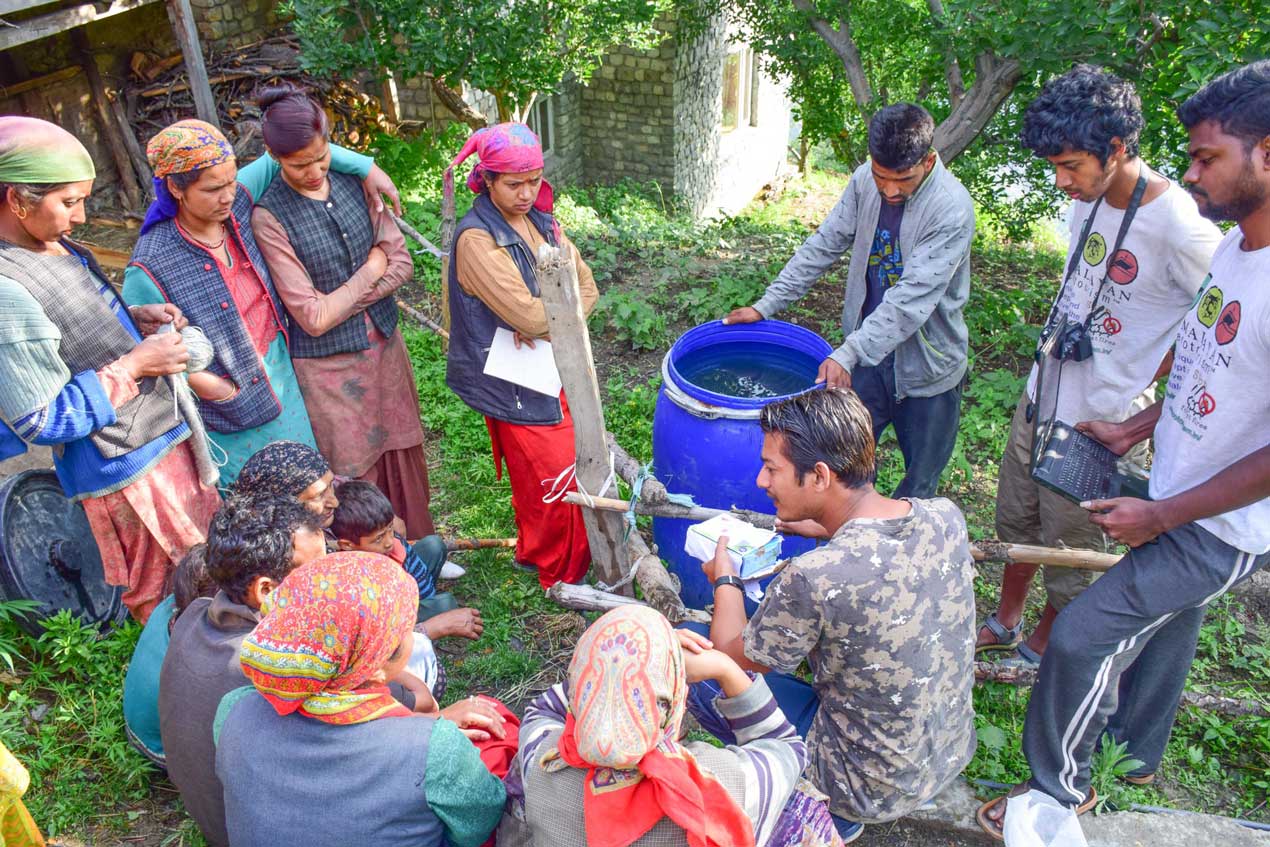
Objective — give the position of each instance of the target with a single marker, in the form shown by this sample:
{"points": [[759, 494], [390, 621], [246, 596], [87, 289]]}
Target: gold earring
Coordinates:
{"points": [[21, 212]]}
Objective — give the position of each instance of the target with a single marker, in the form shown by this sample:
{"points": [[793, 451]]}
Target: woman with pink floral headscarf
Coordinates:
{"points": [[492, 286]]}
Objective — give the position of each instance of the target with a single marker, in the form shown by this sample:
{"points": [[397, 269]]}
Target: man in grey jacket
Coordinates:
{"points": [[908, 224]]}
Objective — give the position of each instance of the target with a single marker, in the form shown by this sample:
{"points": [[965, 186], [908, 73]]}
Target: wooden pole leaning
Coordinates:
{"points": [[571, 346]]}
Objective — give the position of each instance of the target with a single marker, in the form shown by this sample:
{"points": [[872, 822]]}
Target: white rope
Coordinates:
{"points": [[559, 486]]}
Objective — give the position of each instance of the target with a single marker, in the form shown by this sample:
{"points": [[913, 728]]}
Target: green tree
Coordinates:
{"points": [[976, 64], [514, 49]]}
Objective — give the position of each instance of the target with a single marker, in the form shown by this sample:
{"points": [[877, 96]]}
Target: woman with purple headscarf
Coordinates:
{"points": [[492, 286], [197, 251]]}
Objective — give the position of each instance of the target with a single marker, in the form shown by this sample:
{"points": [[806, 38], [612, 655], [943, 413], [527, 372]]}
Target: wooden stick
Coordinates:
{"points": [[405, 227], [671, 510], [160, 90], [982, 551], [37, 82], [571, 347], [478, 543], [423, 319], [111, 128], [994, 672], [135, 153], [588, 598], [183, 26]]}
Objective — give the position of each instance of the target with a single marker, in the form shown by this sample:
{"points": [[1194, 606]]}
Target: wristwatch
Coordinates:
{"points": [[729, 579]]}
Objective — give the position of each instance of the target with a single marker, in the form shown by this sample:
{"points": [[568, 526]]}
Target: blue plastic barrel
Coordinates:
{"points": [[707, 444]]}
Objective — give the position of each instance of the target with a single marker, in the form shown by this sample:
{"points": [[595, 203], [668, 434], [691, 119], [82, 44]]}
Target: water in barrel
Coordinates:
{"points": [[750, 370]]}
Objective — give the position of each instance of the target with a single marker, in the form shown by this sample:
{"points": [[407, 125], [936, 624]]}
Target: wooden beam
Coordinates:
{"points": [[571, 346], [132, 143], [186, 31], [37, 82], [8, 7], [53, 23], [107, 120], [108, 257]]}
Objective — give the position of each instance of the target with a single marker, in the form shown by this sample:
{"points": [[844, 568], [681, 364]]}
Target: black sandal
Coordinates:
{"points": [[1007, 638]]}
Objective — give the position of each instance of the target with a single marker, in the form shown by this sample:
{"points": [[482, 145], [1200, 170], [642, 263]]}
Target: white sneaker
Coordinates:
{"points": [[451, 571]]}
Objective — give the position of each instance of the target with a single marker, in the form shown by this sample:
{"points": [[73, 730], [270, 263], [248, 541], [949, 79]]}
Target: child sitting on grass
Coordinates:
{"points": [[364, 521]]}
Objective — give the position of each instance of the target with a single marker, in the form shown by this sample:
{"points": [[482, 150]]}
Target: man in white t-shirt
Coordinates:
{"points": [[1143, 277], [1207, 526]]}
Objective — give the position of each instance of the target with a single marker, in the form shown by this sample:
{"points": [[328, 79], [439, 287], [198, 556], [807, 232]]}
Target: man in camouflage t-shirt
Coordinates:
{"points": [[883, 613]]}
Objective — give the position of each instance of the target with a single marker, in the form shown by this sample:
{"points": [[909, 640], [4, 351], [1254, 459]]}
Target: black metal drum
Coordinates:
{"points": [[48, 553]]}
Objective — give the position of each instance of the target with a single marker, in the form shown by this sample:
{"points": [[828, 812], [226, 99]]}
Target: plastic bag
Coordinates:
{"points": [[1038, 820]]}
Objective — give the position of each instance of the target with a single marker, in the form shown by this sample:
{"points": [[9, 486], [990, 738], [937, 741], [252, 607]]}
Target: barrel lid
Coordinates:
{"points": [[48, 553]]}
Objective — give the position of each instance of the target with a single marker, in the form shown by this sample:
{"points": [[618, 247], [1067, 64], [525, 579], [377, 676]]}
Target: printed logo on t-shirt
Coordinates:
{"points": [[1210, 302], [1201, 351], [1102, 322], [1228, 324], [1095, 249], [1199, 403], [1123, 268]]}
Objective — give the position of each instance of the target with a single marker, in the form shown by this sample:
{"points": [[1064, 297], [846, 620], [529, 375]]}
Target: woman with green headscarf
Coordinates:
{"points": [[84, 373]]}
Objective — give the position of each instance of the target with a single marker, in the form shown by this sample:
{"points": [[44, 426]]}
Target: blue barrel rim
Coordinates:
{"points": [[781, 332]]}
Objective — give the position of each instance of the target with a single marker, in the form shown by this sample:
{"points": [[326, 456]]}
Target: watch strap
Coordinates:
{"points": [[729, 579]]}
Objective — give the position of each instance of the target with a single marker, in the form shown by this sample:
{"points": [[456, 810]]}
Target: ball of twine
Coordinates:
{"points": [[200, 349]]}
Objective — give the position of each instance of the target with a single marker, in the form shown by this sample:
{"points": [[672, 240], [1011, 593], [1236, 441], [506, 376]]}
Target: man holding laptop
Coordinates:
{"points": [[1138, 253]]}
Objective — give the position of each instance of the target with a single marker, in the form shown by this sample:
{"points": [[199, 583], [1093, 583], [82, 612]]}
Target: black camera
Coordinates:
{"points": [[1073, 343]]}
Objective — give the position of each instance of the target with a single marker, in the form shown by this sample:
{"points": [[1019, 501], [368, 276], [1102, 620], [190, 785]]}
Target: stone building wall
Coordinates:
{"points": [[564, 161], [233, 23], [628, 117], [698, 91]]}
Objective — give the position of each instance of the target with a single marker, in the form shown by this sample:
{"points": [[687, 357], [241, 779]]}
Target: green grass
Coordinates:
{"points": [[644, 252]]}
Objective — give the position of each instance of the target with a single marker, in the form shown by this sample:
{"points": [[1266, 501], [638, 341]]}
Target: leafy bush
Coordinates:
{"points": [[632, 320]]}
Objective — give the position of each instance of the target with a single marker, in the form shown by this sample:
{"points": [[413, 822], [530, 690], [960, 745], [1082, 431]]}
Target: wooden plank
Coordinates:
{"points": [[183, 26], [42, 26], [108, 121], [37, 82], [571, 346], [8, 7], [108, 257]]}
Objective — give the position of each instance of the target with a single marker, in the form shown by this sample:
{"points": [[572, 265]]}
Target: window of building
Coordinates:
{"points": [[542, 120], [740, 88]]}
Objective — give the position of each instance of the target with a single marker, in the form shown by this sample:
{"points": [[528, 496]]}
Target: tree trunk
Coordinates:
{"points": [[453, 101], [994, 80]]}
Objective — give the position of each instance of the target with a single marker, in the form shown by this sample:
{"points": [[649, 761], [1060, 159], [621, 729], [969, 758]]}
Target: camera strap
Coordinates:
{"points": [[1130, 211]]}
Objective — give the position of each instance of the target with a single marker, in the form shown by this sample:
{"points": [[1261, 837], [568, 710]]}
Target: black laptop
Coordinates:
{"points": [[1066, 460]]}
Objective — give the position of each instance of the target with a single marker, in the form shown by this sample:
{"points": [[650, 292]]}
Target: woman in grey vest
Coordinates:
{"points": [[336, 263], [85, 374]]}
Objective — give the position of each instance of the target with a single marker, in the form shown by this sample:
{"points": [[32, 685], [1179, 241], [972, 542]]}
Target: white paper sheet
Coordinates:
{"points": [[534, 368]]}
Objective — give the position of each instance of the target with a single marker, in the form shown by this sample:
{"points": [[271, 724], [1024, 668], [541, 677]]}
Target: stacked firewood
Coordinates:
{"points": [[159, 94]]}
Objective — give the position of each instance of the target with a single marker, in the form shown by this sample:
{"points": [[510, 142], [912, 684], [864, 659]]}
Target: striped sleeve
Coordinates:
{"points": [[80, 408], [770, 746], [545, 714]]}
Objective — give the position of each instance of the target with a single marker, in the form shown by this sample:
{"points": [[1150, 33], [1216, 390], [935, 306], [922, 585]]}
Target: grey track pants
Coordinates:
{"points": [[1126, 642]]}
